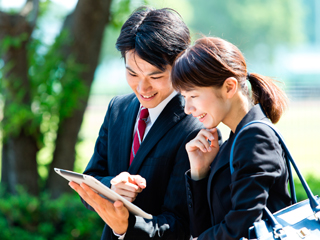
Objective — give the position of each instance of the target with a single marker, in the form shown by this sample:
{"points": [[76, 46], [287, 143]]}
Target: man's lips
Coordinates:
{"points": [[148, 96]]}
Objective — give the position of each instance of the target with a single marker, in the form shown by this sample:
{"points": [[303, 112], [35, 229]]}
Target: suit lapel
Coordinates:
{"points": [[126, 134], [170, 116]]}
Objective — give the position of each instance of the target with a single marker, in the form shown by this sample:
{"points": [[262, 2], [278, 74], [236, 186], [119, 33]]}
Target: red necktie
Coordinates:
{"points": [[138, 136]]}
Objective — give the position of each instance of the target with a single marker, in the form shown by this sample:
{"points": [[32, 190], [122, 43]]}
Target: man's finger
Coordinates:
{"points": [[120, 208], [82, 193], [125, 193], [118, 204], [122, 177], [140, 181], [125, 186], [129, 198]]}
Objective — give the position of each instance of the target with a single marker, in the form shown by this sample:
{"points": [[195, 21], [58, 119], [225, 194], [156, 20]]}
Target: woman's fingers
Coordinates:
{"points": [[203, 141]]}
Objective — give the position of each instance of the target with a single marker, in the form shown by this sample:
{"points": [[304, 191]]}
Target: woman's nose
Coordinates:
{"points": [[188, 108]]}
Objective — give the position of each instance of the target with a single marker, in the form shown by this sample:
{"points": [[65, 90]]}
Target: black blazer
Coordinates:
{"points": [[161, 159], [223, 206]]}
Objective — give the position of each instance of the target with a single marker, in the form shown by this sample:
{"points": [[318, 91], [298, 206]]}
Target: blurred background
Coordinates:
{"points": [[59, 69]]}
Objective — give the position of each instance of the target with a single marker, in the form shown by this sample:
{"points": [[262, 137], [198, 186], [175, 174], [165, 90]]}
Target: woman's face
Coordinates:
{"points": [[206, 104]]}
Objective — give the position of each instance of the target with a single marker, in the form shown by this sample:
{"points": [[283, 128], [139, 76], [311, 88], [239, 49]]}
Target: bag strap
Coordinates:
{"points": [[315, 206]]}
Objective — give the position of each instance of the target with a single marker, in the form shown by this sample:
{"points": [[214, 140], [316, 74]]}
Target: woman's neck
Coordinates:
{"points": [[240, 106]]}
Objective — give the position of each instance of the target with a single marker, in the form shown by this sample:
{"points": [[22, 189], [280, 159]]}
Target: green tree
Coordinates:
{"points": [[20, 127], [46, 91]]}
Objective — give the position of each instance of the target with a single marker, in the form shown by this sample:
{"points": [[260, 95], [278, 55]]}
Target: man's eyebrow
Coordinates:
{"points": [[152, 73], [155, 72], [127, 67]]}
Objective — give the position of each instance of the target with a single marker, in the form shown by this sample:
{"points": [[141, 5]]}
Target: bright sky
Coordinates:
{"points": [[6, 4]]}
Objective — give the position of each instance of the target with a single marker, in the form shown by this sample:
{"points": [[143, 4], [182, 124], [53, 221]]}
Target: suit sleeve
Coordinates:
{"points": [[98, 164], [173, 223], [200, 219], [257, 163]]}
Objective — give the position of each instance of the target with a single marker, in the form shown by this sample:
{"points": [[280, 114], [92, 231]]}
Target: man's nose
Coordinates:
{"points": [[144, 85]]}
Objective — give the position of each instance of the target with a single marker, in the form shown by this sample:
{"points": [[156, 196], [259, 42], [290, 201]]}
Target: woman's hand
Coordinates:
{"points": [[201, 151]]}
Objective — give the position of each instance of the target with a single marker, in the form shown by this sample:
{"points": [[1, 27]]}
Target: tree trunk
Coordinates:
{"points": [[86, 26], [19, 164]]}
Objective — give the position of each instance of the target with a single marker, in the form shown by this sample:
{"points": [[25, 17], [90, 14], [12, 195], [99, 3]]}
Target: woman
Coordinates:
{"points": [[211, 75]]}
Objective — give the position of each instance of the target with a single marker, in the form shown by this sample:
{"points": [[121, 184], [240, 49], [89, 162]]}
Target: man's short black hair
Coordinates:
{"points": [[156, 35]]}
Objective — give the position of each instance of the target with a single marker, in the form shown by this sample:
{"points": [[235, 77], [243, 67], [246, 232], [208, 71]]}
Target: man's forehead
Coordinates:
{"points": [[135, 63]]}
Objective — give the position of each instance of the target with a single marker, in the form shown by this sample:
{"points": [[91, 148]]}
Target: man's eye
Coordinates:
{"points": [[132, 74], [156, 77]]}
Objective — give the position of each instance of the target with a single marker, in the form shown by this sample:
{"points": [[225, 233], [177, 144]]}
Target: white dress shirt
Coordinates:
{"points": [[153, 114]]}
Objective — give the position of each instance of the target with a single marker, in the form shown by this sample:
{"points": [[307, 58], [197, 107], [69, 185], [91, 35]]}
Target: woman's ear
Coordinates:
{"points": [[230, 86]]}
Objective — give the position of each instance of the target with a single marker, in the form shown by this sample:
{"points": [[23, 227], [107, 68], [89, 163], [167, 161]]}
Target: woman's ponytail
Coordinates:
{"points": [[271, 98]]}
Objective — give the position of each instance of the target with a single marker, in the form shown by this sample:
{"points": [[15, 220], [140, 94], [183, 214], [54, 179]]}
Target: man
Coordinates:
{"points": [[149, 172]]}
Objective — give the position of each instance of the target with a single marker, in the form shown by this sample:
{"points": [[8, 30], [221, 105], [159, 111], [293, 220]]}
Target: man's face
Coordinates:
{"points": [[150, 84]]}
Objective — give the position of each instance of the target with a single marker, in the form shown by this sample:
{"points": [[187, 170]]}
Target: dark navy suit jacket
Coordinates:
{"points": [[161, 159], [223, 206]]}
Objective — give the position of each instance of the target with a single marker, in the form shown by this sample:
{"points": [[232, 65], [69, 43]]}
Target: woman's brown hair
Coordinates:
{"points": [[210, 61]]}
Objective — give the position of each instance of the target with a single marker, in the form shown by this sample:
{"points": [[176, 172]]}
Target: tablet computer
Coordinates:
{"points": [[102, 190]]}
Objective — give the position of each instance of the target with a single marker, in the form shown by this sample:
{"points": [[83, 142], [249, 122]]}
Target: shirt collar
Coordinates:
{"points": [[155, 112]]}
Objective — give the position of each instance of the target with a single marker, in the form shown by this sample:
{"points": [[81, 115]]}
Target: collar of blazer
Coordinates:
{"points": [[256, 113], [170, 116]]}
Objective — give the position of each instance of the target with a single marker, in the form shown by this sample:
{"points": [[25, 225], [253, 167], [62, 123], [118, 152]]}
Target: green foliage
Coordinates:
{"points": [[313, 183], [13, 90], [55, 89], [13, 41], [249, 23], [121, 9], [25, 217], [58, 87], [119, 13]]}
